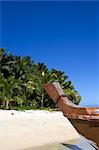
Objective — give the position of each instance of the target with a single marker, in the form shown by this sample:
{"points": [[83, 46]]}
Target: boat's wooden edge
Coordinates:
{"points": [[69, 109], [77, 115]]}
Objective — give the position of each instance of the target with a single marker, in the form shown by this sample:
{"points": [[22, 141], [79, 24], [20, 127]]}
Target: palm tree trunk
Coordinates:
{"points": [[3, 103], [7, 105], [42, 100]]}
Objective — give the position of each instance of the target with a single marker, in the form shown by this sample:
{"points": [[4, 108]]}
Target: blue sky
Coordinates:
{"points": [[63, 35]]}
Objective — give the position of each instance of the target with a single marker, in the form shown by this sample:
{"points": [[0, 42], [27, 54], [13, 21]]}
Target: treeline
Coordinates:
{"points": [[21, 83]]}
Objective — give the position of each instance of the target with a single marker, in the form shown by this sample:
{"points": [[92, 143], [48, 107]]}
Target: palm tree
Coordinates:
{"points": [[22, 80], [6, 90], [40, 77]]}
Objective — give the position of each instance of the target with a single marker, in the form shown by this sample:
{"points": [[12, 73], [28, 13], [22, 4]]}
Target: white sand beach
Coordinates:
{"points": [[33, 128]]}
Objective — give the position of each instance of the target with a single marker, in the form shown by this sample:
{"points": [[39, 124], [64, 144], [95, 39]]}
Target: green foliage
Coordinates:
{"points": [[21, 83]]}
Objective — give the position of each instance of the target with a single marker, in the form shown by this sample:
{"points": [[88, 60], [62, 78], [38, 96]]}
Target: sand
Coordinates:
{"points": [[21, 130]]}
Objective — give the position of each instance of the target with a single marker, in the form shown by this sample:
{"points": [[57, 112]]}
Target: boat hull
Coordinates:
{"points": [[89, 129], [84, 119]]}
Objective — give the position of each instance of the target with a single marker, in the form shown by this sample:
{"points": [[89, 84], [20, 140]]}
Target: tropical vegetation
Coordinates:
{"points": [[21, 83]]}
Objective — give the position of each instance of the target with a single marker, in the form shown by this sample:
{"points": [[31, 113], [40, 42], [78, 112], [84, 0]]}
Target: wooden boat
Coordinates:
{"points": [[84, 119]]}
